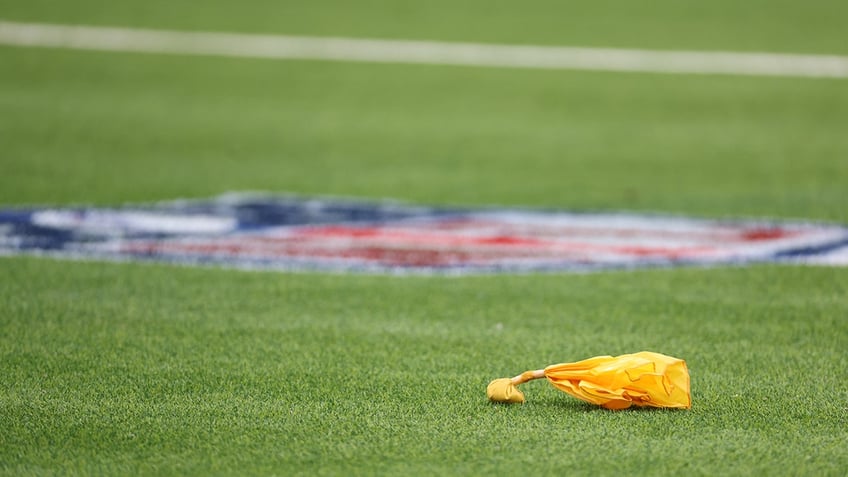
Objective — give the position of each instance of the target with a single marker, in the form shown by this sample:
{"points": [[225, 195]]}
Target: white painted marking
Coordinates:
{"points": [[420, 52], [123, 222], [835, 258]]}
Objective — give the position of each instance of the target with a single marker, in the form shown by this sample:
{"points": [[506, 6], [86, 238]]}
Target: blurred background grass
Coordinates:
{"points": [[109, 127], [105, 128]]}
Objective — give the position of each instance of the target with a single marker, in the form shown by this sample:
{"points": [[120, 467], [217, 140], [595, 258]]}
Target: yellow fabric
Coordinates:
{"points": [[643, 379], [502, 390]]}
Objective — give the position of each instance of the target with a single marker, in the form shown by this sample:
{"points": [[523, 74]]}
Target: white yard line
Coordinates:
{"points": [[421, 52]]}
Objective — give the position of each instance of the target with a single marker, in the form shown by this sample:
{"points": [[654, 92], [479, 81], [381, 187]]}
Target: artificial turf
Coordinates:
{"points": [[149, 369], [142, 369], [110, 128]]}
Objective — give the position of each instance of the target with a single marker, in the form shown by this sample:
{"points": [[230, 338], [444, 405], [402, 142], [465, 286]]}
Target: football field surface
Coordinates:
{"points": [[163, 370]]}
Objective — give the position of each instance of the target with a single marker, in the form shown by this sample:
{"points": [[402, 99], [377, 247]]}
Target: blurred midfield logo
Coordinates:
{"points": [[272, 232]]}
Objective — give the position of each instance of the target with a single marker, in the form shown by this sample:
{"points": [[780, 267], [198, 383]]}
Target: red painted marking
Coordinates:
{"points": [[399, 235], [463, 241], [543, 231], [760, 235], [392, 246]]}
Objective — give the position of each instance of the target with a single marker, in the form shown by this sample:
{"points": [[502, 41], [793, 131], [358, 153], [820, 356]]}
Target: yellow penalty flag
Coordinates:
{"points": [[641, 379]]}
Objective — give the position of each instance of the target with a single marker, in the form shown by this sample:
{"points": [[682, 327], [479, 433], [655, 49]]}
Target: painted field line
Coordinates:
{"points": [[420, 52]]}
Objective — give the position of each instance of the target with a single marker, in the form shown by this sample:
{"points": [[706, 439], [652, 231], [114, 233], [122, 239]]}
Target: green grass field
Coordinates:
{"points": [[126, 369]]}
